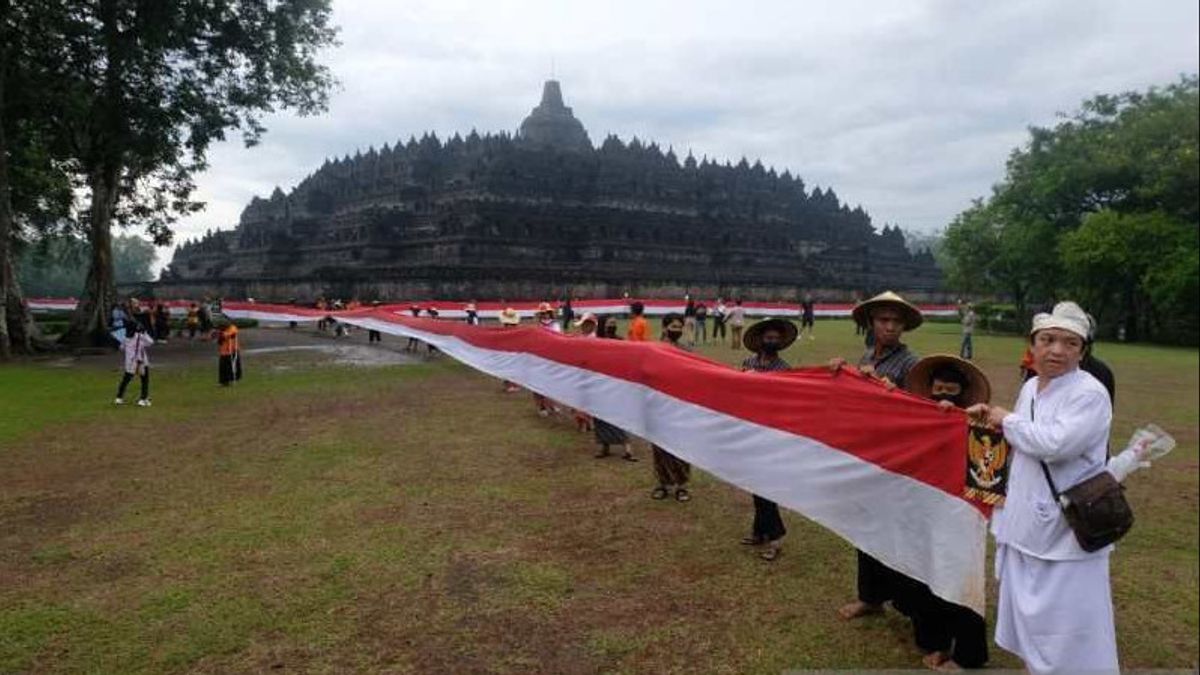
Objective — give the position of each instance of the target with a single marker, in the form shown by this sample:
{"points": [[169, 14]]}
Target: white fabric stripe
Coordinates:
{"points": [[910, 526]]}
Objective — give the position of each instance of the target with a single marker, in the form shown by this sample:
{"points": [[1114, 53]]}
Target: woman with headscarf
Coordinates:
{"points": [[671, 472]]}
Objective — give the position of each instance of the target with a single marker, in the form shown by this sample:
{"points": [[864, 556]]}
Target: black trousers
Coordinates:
{"points": [[942, 626], [768, 524], [229, 369], [374, 336], [128, 377], [877, 583], [718, 328]]}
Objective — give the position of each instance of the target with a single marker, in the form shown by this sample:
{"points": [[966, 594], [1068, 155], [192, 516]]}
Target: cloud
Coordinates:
{"points": [[909, 109]]}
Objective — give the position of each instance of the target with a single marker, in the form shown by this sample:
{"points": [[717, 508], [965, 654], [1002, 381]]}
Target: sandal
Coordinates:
{"points": [[602, 454], [660, 492], [628, 457], [753, 541], [681, 495], [771, 553]]}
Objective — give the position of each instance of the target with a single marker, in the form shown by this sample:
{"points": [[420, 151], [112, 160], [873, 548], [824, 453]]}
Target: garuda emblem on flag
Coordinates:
{"points": [[987, 465]]}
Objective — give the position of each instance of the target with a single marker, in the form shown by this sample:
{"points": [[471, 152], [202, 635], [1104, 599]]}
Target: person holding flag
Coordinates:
{"points": [[765, 340], [888, 360]]}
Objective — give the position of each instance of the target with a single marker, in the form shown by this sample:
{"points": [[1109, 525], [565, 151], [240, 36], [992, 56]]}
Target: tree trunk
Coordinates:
{"points": [[16, 325], [89, 324]]}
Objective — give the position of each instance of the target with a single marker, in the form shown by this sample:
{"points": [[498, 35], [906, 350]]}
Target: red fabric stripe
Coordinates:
{"points": [[895, 430], [532, 305]]}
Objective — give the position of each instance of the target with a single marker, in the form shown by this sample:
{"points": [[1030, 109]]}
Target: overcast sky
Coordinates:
{"points": [[907, 108]]}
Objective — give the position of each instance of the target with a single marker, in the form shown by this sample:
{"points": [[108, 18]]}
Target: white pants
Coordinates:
{"points": [[1056, 615]]}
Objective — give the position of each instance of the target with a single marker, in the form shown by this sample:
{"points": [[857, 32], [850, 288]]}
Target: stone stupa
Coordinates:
{"points": [[552, 124]]}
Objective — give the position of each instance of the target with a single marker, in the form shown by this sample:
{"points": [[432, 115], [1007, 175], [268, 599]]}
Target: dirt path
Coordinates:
{"points": [[352, 349]]}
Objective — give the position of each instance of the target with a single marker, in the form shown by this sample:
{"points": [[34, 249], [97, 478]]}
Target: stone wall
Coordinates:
{"points": [[483, 289]]}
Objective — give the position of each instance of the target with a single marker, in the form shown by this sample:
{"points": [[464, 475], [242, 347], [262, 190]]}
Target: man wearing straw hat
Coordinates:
{"points": [[951, 636], [889, 316], [510, 319], [766, 339], [545, 319]]}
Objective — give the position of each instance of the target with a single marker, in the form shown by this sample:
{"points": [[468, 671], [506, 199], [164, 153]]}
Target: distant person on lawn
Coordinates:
{"points": [[638, 330], [229, 368], [137, 362], [808, 314], [737, 319]]}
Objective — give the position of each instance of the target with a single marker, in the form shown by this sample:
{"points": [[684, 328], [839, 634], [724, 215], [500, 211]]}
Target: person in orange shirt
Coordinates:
{"points": [[637, 325], [230, 368]]}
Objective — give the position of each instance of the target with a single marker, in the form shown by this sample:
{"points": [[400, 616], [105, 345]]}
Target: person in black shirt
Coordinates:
{"points": [[807, 315], [765, 340], [888, 360], [950, 635]]}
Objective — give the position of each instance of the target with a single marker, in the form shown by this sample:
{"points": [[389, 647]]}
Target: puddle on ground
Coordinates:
{"points": [[350, 355]]}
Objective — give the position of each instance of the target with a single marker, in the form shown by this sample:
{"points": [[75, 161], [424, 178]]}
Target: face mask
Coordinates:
{"points": [[674, 335], [770, 347], [953, 398]]}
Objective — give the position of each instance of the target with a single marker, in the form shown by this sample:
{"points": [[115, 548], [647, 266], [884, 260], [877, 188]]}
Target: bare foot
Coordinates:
{"points": [[857, 609], [941, 662]]}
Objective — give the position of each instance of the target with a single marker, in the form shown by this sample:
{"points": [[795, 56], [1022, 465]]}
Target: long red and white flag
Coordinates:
{"points": [[883, 469]]}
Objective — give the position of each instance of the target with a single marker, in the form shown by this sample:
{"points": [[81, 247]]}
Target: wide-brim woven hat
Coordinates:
{"points": [[672, 320], [919, 378], [910, 313], [753, 335], [509, 317]]}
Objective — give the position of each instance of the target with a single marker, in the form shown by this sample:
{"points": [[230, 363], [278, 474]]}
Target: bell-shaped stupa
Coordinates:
{"points": [[552, 124]]}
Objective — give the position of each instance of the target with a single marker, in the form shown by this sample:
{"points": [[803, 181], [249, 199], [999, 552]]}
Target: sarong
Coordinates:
{"points": [[607, 434], [1056, 615], [669, 469]]}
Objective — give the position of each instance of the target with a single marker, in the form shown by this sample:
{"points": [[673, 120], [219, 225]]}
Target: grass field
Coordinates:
{"points": [[415, 519]]}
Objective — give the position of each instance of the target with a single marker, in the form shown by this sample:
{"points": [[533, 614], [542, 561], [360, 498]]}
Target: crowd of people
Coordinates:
{"points": [[1055, 608], [137, 326]]}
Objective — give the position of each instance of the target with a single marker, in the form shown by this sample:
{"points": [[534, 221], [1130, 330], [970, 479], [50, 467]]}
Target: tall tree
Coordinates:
{"points": [[1105, 207], [35, 190], [142, 89]]}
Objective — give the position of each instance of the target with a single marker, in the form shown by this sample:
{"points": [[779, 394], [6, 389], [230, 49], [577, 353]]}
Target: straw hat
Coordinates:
{"points": [[673, 321], [545, 308], [909, 312], [978, 390], [584, 319], [753, 336], [1067, 316], [509, 317]]}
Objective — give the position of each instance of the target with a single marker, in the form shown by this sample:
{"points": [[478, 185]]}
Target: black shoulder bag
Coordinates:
{"points": [[1095, 508]]}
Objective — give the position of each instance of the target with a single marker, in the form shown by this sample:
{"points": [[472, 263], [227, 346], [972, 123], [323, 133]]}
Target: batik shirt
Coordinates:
{"points": [[894, 363], [761, 365]]}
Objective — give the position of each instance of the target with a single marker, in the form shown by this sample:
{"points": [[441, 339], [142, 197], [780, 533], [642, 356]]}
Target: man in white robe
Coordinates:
{"points": [[1055, 602]]}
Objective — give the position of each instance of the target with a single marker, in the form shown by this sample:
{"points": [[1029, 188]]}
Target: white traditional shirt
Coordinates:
{"points": [[136, 354], [1065, 425]]}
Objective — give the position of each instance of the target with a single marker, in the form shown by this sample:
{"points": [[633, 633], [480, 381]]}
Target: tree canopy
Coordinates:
{"points": [[134, 93], [1104, 208], [57, 266]]}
